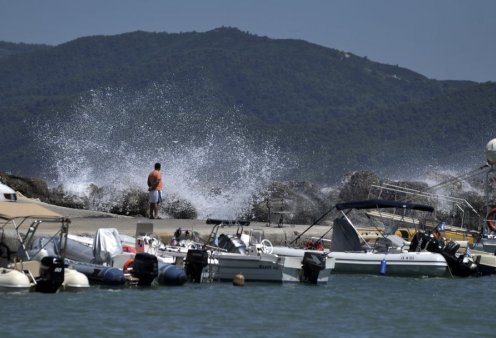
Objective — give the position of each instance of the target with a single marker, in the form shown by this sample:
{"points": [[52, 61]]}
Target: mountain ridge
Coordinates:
{"points": [[317, 101]]}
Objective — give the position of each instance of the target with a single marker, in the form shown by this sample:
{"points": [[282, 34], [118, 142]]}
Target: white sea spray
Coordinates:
{"points": [[113, 137]]}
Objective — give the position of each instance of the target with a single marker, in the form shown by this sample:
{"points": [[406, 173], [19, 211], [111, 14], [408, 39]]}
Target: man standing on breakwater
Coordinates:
{"points": [[155, 191]]}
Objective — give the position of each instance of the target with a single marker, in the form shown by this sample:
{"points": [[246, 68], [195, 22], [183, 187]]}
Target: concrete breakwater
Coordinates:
{"points": [[87, 222], [165, 229]]}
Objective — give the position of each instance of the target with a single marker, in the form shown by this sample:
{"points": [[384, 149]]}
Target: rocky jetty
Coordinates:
{"points": [[300, 202]]}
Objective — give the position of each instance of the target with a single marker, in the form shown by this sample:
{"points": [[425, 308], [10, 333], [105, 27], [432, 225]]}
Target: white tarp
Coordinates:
{"points": [[106, 244]]}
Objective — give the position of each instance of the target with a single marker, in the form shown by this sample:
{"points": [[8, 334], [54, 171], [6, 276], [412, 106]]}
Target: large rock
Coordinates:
{"points": [[178, 208], [299, 202], [132, 203], [59, 197], [356, 185]]}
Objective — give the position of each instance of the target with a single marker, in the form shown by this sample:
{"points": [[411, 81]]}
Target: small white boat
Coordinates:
{"points": [[114, 259], [30, 272], [394, 264], [45, 273], [263, 267], [184, 257], [257, 262], [390, 255]]}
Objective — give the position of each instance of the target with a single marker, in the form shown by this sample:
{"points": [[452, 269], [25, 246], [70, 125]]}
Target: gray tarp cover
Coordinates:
{"points": [[344, 237]]}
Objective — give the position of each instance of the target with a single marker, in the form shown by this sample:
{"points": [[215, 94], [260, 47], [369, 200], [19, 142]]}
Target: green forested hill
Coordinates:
{"points": [[9, 48], [332, 110]]}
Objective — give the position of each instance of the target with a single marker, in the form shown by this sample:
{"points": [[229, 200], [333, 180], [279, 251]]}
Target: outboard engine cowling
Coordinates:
{"points": [[452, 247], [51, 274], [145, 268], [196, 260], [313, 263], [425, 241]]}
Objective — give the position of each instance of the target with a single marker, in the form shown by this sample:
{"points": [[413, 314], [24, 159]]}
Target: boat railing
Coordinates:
{"points": [[222, 223], [215, 248], [396, 192]]}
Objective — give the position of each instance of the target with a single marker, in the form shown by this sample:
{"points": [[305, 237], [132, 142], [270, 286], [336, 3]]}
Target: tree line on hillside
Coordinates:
{"points": [[331, 110]]}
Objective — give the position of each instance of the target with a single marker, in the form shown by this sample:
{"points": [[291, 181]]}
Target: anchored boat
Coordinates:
{"points": [[257, 262], [44, 273], [390, 255]]}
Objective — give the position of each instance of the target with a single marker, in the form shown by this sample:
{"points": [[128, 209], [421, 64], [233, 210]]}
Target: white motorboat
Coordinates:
{"points": [[110, 258], [185, 251], [73, 280], [394, 264], [390, 254], [257, 262], [45, 273]]}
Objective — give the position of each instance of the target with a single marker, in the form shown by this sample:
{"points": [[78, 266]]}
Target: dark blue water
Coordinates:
{"points": [[349, 306]]}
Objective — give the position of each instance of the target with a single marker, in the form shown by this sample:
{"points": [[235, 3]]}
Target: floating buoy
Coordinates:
{"points": [[239, 280], [382, 269]]}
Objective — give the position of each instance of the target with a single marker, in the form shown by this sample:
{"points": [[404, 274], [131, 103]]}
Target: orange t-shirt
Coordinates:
{"points": [[155, 177]]}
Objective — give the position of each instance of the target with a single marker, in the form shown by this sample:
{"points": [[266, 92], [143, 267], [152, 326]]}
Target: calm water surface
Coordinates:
{"points": [[348, 306]]}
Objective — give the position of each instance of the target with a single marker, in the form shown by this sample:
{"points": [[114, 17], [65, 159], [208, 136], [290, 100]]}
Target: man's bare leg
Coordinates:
{"points": [[152, 210]]}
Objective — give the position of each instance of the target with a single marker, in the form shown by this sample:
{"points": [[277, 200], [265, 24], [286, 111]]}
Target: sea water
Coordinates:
{"points": [[348, 306]]}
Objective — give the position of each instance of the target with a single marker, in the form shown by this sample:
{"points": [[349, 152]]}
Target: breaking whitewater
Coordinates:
{"points": [[99, 157]]}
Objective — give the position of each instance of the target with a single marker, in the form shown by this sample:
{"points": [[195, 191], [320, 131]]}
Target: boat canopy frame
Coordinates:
{"points": [[379, 204], [17, 214]]}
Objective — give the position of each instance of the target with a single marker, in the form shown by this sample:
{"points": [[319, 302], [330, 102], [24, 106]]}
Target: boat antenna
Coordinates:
{"points": [[314, 223]]}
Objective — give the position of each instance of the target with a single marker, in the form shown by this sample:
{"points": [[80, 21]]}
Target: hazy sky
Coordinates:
{"points": [[441, 39]]}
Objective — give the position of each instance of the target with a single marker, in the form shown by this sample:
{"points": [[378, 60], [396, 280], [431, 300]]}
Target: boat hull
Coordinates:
{"points": [[486, 262], [171, 275], [411, 264], [99, 274], [265, 268], [489, 245]]}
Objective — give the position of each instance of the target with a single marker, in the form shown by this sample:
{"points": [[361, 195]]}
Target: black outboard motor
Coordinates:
{"points": [[313, 263], [196, 260], [451, 248], [145, 268], [51, 274], [426, 241]]}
